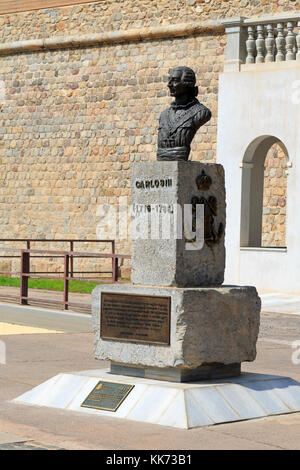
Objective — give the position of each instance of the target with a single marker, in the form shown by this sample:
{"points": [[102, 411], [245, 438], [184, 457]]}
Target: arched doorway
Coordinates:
{"points": [[254, 114], [264, 186]]}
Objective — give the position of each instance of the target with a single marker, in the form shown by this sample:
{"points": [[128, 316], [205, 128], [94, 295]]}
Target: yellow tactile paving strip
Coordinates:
{"points": [[12, 329]]}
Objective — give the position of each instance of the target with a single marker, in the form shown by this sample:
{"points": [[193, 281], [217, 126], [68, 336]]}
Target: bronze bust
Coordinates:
{"points": [[179, 123]]}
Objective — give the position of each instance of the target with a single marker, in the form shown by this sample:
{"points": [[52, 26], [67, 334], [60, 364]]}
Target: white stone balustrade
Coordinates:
{"points": [[267, 39]]}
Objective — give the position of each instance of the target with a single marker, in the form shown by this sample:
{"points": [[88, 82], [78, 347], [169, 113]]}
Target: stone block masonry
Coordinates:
{"points": [[209, 326], [175, 316], [72, 120], [164, 253], [115, 15], [72, 123], [274, 201]]}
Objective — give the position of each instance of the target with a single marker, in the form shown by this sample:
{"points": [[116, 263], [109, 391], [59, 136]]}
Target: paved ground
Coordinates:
{"points": [[34, 358], [46, 298], [281, 303], [272, 302]]}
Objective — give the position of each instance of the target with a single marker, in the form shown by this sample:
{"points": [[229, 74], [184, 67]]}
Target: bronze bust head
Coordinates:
{"points": [[179, 123]]}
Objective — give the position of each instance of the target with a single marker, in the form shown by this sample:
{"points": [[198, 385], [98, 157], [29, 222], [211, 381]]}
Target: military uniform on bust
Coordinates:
{"points": [[179, 124]]}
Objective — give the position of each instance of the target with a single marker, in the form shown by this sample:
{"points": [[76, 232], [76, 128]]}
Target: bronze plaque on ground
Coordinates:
{"points": [[136, 318], [107, 396]]}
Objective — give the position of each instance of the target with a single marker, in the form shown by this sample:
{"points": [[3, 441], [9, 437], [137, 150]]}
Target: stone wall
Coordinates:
{"points": [[274, 201], [72, 120], [112, 15]]}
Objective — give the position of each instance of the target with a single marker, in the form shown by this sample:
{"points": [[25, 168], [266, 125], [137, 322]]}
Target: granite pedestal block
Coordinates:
{"points": [[165, 252], [212, 330]]}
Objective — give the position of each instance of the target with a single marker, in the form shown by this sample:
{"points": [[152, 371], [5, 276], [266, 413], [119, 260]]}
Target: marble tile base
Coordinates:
{"points": [[183, 405]]}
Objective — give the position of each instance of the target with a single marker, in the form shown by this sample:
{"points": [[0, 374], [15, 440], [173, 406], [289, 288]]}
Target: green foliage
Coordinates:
{"points": [[51, 284]]}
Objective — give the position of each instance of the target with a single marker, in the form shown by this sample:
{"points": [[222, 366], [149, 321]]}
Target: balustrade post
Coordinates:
{"points": [[260, 40], [270, 43], [298, 42], [290, 42], [260, 44], [250, 46], [280, 43]]}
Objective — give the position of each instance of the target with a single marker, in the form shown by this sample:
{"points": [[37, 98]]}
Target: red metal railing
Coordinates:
{"points": [[26, 274], [71, 242], [67, 274]]}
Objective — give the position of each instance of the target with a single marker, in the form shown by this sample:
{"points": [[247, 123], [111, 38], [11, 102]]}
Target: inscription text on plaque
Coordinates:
{"points": [[107, 396], [136, 318]]}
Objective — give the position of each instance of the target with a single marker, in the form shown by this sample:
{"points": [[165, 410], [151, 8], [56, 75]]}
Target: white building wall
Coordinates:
{"points": [[261, 100]]}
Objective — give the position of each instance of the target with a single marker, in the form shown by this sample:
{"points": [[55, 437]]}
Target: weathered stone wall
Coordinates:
{"points": [[274, 201], [72, 120], [111, 15]]}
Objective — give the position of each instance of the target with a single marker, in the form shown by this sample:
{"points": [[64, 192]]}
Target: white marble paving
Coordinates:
{"points": [[39, 393], [289, 394], [157, 396], [171, 404], [213, 404], [196, 415], [175, 415], [241, 401], [70, 384], [268, 399]]}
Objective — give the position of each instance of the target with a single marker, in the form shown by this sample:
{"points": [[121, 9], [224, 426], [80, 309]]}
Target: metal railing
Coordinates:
{"points": [[26, 254], [71, 242], [25, 273]]}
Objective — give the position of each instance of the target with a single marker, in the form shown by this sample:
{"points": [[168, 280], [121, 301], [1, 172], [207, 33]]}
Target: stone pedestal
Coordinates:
{"points": [[211, 331], [164, 197], [175, 321]]}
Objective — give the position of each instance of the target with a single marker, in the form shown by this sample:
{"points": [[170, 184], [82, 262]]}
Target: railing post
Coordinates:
{"points": [[66, 283], [115, 269], [25, 269], [113, 259], [71, 259]]}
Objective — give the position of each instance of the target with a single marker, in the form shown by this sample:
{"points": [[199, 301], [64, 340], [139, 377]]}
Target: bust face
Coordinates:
{"points": [[175, 84]]}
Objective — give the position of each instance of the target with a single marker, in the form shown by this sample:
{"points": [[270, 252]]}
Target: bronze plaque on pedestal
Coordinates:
{"points": [[107, 396], [135, 318]]}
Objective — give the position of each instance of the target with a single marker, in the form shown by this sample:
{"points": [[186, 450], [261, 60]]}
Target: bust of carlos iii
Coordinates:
{"points": [[179, 124]]}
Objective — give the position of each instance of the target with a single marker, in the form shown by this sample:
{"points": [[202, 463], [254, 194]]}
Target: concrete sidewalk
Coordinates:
{"points": [[38, 317], [271, 302], [33, 358], [47, 298]]}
